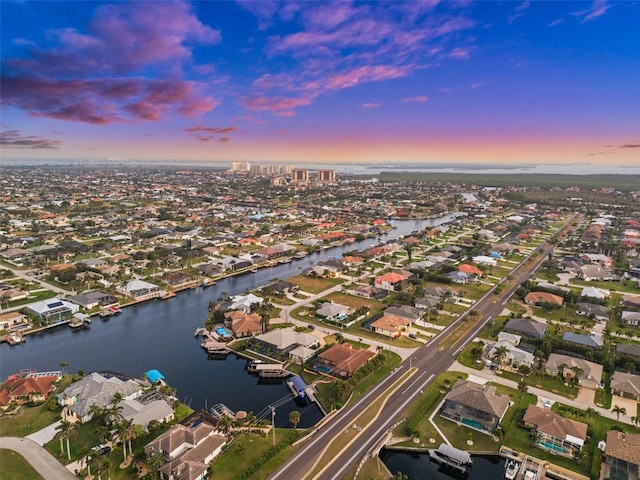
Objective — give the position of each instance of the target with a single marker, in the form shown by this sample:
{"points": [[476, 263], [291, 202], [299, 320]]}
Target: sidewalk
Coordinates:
{"points": [[41, 460]]}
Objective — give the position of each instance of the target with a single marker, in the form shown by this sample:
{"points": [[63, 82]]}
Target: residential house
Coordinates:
{"points": [[426, 303], [281, 342], [630, 318], [631, 301], [391, 282], [53, 310], [541, 298], [622, 455], [593, 310], [407, 312], [589, 373], [139, 290], [439, 293], [460, 278], [593, 292], [342, 360], [470, 269], [626, 385], [369, 291], [243, 324], [630, 349], [528, 328], [27, 389], [514, 356], [10, 319], [485, 260], [94, 299], [187, 451], [148, 407], [555, 433], [94, 389], [592, 340], [474, 405], [390, 325], [591, 273], [244, 302], [333, 312]]}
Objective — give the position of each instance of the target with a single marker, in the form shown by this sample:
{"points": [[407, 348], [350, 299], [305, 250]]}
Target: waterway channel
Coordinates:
{"points": [[159, 334], [418, 466]]}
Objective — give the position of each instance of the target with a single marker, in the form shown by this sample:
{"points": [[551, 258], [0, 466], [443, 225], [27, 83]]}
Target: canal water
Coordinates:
{"points": [[418, 466], [159, 334]]}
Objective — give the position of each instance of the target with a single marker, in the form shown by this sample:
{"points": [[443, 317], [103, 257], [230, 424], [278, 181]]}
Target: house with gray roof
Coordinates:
{"points": [[280, 342], [94, 389], [626, 385], [631, 318], [404, 311], [591, 340], [622, 455], [593, 310], [631, 349], [589, 373], [527, 328], [333, 311], [475, 406]]}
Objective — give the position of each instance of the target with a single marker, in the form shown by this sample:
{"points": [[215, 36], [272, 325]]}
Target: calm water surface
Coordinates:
{"points": [[159, 334], [420, 467]]}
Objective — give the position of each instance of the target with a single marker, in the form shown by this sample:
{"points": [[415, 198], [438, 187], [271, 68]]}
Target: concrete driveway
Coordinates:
{"points": [[41, 460]]}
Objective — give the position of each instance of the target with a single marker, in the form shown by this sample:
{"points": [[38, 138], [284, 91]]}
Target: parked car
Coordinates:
{"points": [[412, 335], [101, 450]]}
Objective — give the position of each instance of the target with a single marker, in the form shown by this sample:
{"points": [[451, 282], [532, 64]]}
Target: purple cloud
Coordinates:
{"points": [[368, 105], [16, 139], [597, 9], [417, 99], [91, 77]]}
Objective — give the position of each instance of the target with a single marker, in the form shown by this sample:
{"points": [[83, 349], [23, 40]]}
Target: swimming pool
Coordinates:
{"points": [[553, 448], [223, 332], [472, 423], [322, 369]]}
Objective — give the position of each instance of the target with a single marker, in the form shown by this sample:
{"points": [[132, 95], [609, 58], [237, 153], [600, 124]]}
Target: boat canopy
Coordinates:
{"points": [[298, 383], [455, 454]]}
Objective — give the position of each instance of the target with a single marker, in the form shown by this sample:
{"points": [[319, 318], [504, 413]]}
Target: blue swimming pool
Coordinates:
{"points": [[223, 332], [472, 423], [553, 448], [322, 369]]}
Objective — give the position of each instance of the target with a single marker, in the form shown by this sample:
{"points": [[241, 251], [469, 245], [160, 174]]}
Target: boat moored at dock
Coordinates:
{"points": [[511, 470], [451, 456]]}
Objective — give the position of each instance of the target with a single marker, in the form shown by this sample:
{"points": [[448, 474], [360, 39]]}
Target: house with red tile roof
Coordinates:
{"points": [[343, 360], [538, 298], [470, 269], [392, 282], [27, 389]]}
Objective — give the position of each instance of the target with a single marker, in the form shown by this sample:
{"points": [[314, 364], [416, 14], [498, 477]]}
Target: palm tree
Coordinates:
{"points": [[619, 411], [499, 354], [522, 387], [127, 431], [64, 366], [155, 461], [294, 418], [60, 434], [66, 430], [635, 420], [561, 368], [225, 423], [97, 413]]}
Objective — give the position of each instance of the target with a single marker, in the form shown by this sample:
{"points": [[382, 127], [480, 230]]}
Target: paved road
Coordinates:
{"points": [[41, 460], [429, 362]]}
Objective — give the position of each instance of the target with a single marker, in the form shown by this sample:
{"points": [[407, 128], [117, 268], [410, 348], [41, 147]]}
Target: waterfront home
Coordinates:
{"points": [[280, 342], [187, 451], [589, 374], [390, 325], [94, 389], [27, 389], [243, 324], [541, 298], [94, 299], [53, 310], [139, 290], [475, 406], [10, 319], [146, 408], [244, 302], [626, 385], [555, 433], [527, 328], [342, 360], [622, 455]]}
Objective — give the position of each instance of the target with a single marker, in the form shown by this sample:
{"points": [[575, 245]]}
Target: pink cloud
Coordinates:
{"points": [[278, 105], [88, 77], [368, 105], [459, 53], [417, 99], [369, 73], [16, 139], [216, 130]]}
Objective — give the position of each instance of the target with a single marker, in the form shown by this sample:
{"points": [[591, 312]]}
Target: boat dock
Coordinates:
{"points": [[267, 370], [451, 456]]}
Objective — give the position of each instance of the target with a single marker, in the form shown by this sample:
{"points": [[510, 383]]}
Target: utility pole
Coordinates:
{"points": [[273, 423]]}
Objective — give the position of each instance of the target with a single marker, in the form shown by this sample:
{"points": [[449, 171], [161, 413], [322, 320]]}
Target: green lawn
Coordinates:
{"points": [[550, 383], [314, 285], [352, 301], [466, 358], [624, 286], [32, 419], [13, 466]]}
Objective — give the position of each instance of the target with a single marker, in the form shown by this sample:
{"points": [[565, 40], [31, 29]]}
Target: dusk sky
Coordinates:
{"points": [[319, 82]]}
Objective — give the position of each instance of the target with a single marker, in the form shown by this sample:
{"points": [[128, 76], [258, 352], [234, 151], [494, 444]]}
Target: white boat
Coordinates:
{"points": [[530, 475], [511, 470]]}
